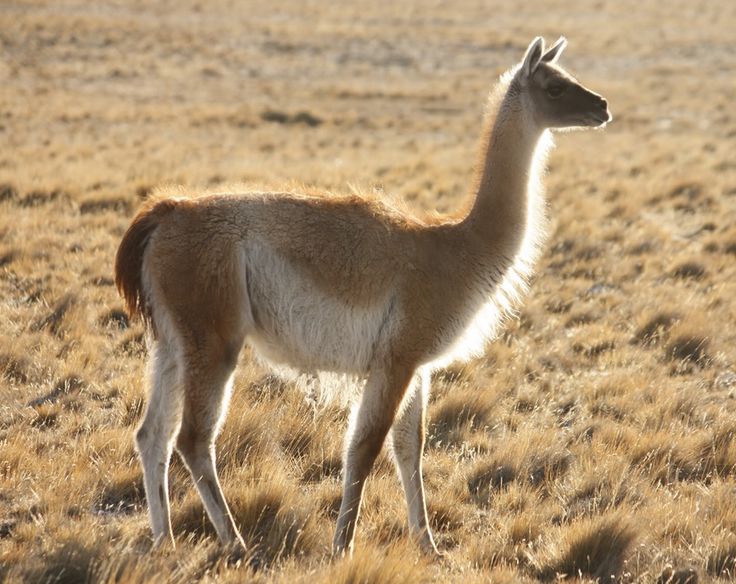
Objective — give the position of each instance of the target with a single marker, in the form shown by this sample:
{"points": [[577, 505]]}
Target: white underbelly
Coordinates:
{"points": [[300, 326]]}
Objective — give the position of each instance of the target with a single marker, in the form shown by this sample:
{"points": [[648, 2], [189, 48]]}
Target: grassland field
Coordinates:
{"points": [[596, 438]]}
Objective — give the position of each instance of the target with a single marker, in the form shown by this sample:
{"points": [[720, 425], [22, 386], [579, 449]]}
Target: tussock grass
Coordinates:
{"points": [[277, 520], [594, 548], [374, 566], [458, 414], [656, 328], [536, 464], [678, 576], [689, 270], [595, 437], [688, 349], [123, 493], [722, 561]]}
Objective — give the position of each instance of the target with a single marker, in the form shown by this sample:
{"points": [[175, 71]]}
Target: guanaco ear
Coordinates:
{"points": [[554, 52], [533, 55]]}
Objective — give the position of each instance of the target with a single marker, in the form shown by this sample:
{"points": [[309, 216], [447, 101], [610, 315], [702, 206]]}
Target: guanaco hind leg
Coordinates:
{"points": [[207, 381], [156, 434]]}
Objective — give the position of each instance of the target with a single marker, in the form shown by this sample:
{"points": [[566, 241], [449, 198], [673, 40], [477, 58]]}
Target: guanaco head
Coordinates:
{"points": [[555, 98]]}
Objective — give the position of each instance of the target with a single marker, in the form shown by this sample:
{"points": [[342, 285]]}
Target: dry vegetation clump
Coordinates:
{"points": [[457, 415], [595, 438], [722, 561], [537, 464], [688, 348], [594, 548], [656, 328], [278, 525], [375, 565], [678, 576]]}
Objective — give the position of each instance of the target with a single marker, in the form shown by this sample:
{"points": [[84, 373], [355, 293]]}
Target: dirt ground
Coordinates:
{"points": [[596, 439]]}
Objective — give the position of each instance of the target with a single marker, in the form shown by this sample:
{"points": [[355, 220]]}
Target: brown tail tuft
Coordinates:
{"points": [[129, 258]]}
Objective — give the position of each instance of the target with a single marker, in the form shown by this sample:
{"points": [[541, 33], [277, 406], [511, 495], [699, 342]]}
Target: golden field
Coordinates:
{"points": [[595, 440]]}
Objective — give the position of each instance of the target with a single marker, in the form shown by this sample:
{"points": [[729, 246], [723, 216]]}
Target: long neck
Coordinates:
{"points": [[506, 177]]}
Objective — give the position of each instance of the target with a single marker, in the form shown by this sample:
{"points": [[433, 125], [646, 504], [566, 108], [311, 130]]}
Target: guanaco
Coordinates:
{"points": [[344, 284]]}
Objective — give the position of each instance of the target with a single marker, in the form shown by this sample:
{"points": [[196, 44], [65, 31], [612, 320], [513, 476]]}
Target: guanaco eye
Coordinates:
{"points": [[555, 91]]}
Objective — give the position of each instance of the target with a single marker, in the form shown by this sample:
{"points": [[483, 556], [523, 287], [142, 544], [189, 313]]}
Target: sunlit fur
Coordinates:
{"points": [[503, 299], [348, 287]]}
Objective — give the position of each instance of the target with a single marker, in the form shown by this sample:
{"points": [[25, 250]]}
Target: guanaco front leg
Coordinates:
{"points": [[382, 395], [407, 435]]}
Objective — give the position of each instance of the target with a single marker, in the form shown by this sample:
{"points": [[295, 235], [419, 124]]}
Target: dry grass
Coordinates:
{"points": [[596, 438]]}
